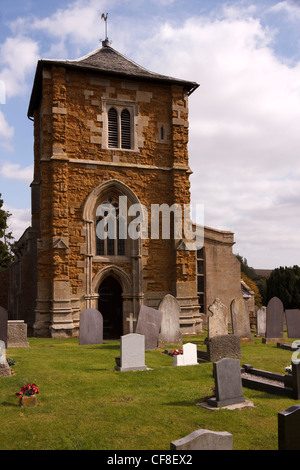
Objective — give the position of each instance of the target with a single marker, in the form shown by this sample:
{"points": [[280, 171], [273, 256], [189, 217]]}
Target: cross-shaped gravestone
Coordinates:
{"points": [[131, 321]]}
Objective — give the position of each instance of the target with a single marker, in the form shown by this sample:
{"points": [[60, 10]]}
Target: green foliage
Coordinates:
{"points": [[6, 239], [284, 282], [253, 286], [259, 281]]}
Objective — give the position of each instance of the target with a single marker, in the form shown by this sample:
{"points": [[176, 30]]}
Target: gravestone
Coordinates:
{"points": [[189, 356], [289, 429], [17, 334], [228, 383], [293, 323], [170, 326], [132, 347], [217, 319], [240, 320], [274, 321], [3, 325], [223, 346], [5, 370], [148, 324], [202, 439], [261, 321], [91, 327]]}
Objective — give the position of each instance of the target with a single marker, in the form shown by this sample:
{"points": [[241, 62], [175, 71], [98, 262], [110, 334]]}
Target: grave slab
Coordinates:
{"points": [[274, 321], [240, 320], [293, 323], [90, 327], [132, 348], [3, 325], [218, 319], [148, 324], [289, 429], [228, 383], [170, 326], [203, 439], [189, 356], [17, 334], [223, 346], [261, 321]]}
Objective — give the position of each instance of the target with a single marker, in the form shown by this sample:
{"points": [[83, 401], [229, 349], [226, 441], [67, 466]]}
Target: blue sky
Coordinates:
{"points": [[244, 141]]}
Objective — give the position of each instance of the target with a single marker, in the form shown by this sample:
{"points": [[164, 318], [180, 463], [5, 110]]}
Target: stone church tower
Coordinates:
{"points": [[108, 132]]}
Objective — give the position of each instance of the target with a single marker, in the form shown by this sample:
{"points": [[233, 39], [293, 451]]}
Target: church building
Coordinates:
{"points": [[110, 152]]}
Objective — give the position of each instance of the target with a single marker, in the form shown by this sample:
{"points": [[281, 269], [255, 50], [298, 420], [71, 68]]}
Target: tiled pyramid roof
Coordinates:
{"points": [[108, 61]]}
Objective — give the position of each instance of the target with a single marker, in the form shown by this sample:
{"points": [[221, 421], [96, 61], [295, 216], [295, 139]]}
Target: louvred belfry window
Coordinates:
{"points": [[119, 129], [125, 129], [113, 137]]}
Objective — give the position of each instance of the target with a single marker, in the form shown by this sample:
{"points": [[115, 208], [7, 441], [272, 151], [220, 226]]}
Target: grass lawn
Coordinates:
{"points": [[85, 405]]}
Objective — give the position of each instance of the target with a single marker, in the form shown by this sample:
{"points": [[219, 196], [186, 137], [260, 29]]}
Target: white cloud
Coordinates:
{"points": [[6, 132], [18, 57], [291, 8], [79, 24], [244, 130], [15, 172], [244, 118]]}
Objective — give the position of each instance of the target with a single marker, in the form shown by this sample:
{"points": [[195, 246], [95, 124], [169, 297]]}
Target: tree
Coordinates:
{"points": [[284, 282], [257, 280], [253, 286], [6, 239]]}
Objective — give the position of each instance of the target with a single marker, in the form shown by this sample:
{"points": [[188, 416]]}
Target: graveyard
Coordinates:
{"points": [[86, 403]]}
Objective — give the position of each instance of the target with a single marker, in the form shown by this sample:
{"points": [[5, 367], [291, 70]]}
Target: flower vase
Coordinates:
{"points": [[27, 401]]}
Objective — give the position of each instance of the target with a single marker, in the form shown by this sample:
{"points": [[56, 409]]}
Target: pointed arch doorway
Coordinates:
{"points": [[110, 306]]}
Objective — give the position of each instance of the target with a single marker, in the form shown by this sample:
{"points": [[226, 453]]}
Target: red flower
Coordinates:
{"points": [[28, 389]]}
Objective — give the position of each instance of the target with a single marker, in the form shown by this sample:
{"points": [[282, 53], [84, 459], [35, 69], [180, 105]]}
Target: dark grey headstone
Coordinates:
{"points": [[148, 324], [91, 327], [293, 323], [228, 383], [219, 347], [289, 429], [274, 318], [3, 325], [132, 353], [202, 439]]}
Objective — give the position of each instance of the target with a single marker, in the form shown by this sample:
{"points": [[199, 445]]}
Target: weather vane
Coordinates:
{"points": [[105, 19]]}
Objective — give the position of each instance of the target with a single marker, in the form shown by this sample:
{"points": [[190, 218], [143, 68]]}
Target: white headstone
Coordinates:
{"points": [[132, 353], [189, 356]]}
